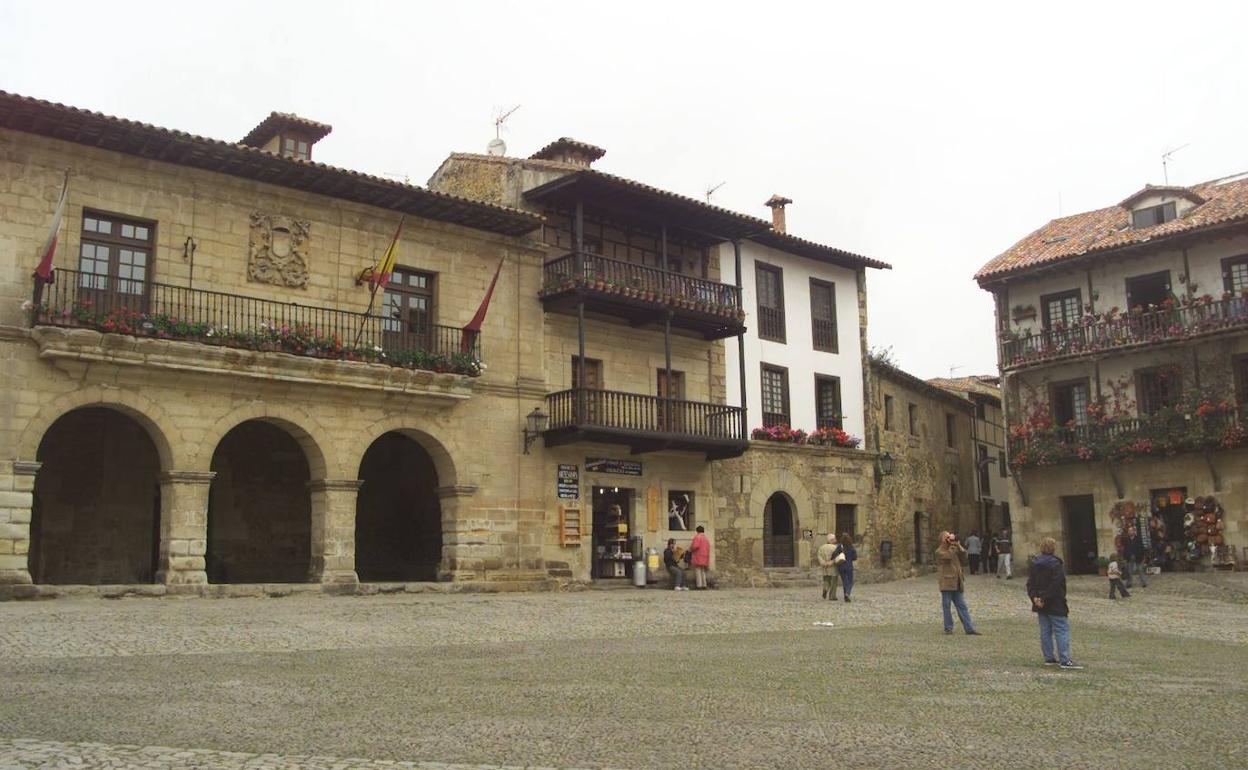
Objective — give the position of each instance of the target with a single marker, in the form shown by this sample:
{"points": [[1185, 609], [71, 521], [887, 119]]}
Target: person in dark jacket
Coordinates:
{"points": [[846, 568], [1046, 585], [1133, 550]]}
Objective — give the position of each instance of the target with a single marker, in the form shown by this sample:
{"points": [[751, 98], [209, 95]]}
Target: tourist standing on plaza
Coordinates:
{"points": [[1046, 585], [1115, 580], [1004, 554], [1133, 549], [827, 555], [846, 566], [700, 556], [991, 557], [950, 559], [974, 547], [673, 566]]}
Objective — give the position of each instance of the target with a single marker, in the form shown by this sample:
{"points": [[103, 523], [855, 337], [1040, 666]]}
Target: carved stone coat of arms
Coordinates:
{"points": [[278, 248]]}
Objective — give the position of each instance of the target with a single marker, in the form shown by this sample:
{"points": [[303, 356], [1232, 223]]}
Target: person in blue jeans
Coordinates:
{"points": [[1046, 586], [1133, 550], [951, 561], [846, 568]]}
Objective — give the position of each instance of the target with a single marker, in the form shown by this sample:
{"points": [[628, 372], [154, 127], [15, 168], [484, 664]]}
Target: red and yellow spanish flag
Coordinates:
{"points": [[385, 267]]}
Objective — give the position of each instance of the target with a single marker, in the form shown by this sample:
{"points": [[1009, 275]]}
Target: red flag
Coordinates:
{"points": [[474, 326], [44, 269]]}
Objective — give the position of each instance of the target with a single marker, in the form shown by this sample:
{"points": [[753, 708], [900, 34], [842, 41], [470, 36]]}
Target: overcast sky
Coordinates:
{"points": [[931, 136]]}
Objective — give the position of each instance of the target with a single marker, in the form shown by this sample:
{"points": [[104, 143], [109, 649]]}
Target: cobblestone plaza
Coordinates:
{"points": [[624, 678]]}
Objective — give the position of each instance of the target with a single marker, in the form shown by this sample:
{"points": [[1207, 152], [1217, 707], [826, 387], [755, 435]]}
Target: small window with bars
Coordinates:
{"points": [[775, 393], [769, 283], [823, 315], [828, 402]]}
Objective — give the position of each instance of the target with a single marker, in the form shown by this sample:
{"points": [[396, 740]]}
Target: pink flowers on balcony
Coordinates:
{"points": [[821, 437]]}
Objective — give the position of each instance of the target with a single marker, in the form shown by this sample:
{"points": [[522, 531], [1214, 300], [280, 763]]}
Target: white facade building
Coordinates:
{"points": [[805, 342]]}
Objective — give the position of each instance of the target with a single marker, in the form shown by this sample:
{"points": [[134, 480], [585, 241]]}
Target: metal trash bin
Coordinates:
{"points": [[639, 573], [653, 563]]}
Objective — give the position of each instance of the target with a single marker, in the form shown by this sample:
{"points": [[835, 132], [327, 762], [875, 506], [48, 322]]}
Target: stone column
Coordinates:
{"points": [[333, 530], [183, 527], [17, 485], [465, 542]]}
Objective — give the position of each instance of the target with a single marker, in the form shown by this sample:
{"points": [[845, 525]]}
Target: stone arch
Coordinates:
{"points": [[94, 516], [305, 429], [443, 462], [142, 410], [398, 514]]}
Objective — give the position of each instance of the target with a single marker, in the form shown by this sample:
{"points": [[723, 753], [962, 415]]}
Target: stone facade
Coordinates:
{"points": [[931, 488], [186, 396]]}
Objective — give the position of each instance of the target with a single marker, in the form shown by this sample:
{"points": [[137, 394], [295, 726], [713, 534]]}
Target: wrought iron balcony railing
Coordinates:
{"points": [[1123, 330], [78, 299]]}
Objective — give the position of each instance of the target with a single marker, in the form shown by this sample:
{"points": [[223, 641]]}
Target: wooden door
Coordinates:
{"points": [[1081, 550], [675, 388], [114, 264], [593, 387], [778, 532]]}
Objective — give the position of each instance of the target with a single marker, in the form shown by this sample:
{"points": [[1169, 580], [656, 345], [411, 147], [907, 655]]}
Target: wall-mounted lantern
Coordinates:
{"points": [[884, 466], [536, 424]]}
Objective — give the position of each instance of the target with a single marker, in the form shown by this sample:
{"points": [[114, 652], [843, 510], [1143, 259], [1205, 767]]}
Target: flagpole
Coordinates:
{"points": [[372, 297], [381, 274]]}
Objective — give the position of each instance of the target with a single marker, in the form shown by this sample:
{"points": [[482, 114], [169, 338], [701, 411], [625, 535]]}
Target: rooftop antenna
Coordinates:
{"points": [[497, 146], [1165, 160], [711, 190], [953, 369]]}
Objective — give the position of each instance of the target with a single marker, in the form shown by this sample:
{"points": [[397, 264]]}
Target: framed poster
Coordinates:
{"points": [[680, 510]]}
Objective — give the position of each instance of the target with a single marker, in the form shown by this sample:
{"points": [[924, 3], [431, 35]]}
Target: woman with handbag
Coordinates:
{"points": [[830, 556], [700, 556]]}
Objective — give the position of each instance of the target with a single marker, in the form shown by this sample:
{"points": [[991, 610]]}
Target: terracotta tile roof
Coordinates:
{"points": [[1225, 202], [130, 137], [817, 251], [905, 379], [754, 228], [984, 384], [276, 121]]}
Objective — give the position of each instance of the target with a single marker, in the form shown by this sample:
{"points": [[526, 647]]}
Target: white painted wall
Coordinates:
{"points": [[797, 353]]}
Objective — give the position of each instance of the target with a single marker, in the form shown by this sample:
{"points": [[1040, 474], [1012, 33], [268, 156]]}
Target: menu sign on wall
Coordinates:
{"points": [[568, 484], [607, 465]]}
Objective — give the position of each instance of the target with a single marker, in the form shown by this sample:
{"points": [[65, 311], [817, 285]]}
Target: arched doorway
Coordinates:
{"points": [[259, 507], [778, 524], [398, 520], [95, 516]]}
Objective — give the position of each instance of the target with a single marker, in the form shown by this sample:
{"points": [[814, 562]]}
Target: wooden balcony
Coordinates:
{"points": [[641, 295], [165, 312], [1127, 439], [1105, 333], [644, 423]]}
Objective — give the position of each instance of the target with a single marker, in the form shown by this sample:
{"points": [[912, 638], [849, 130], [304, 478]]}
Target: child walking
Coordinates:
{"points": [[1115, 580]]}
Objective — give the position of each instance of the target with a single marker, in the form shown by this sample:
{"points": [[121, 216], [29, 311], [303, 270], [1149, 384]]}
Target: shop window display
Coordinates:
{"points": [[1178, 532]]}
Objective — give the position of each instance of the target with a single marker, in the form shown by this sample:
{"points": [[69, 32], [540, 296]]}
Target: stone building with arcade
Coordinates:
{"points": [[200, 396]]}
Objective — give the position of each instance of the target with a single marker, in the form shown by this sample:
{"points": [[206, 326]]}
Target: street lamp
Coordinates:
{"points": [[884, 466], [537, 422]]}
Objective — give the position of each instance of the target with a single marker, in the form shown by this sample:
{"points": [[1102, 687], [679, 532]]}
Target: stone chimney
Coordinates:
{"points": [[777, 203], [290, 136], [567, 150]]}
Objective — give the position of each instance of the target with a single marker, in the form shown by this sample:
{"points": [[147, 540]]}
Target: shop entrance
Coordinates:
{"points": [[1080, 530], [778, 531], [613, 516]]}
